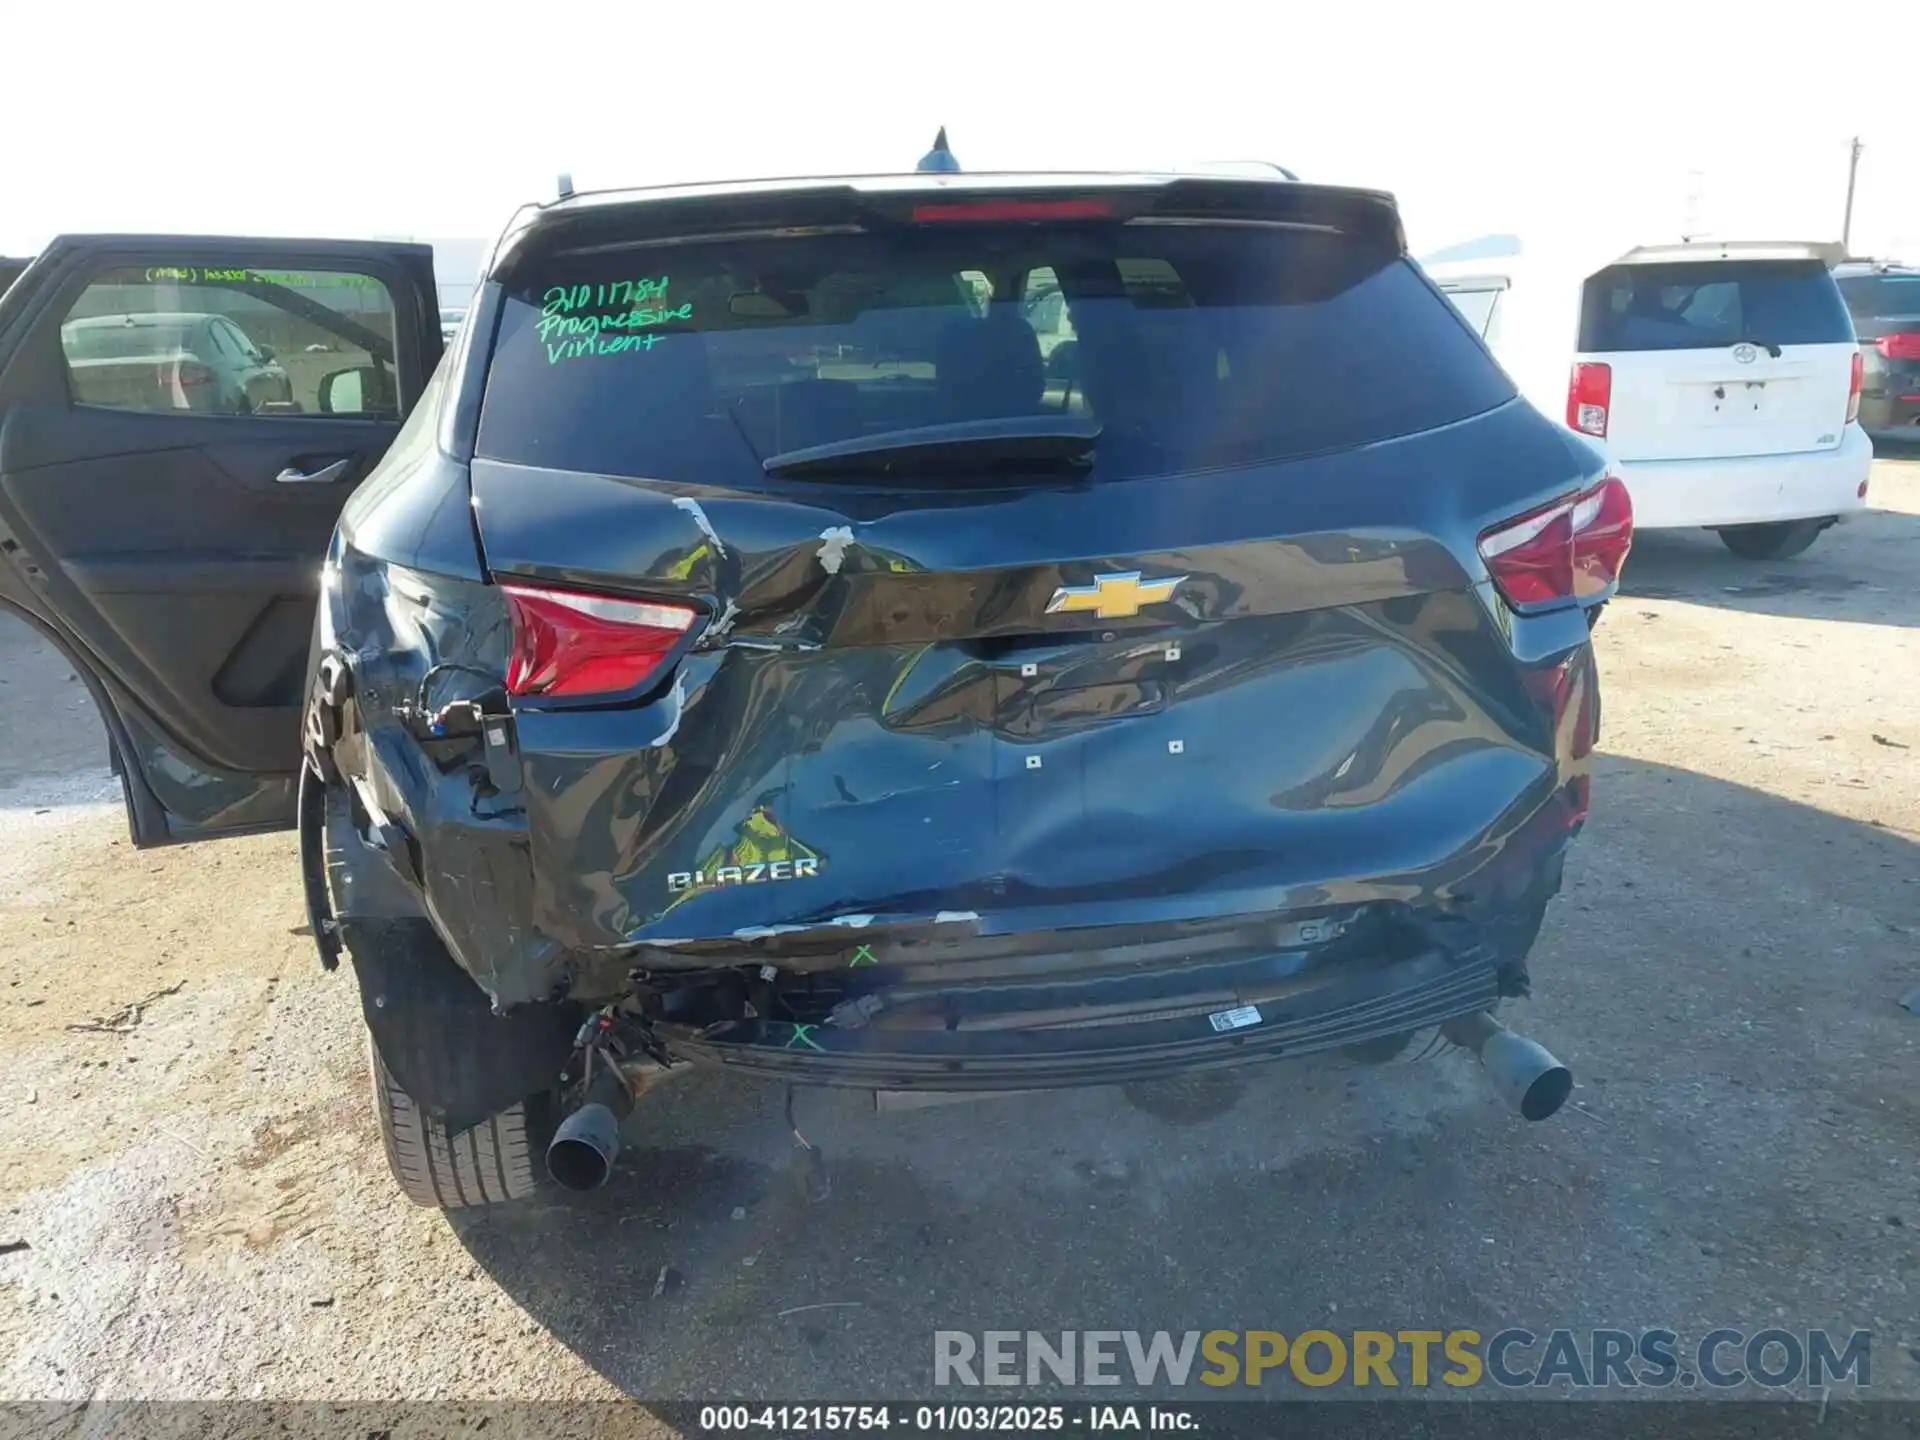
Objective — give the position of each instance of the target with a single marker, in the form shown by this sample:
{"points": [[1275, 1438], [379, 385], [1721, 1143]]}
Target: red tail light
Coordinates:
{"points": [[188, 373], [1853, 388], [1589, 396], [1003, 210], [567, 643], [1602, 523], [1569, 550], [1558, 688], [1899, 347]]}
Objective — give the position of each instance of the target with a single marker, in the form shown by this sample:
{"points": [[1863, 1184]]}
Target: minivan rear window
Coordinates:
{"points": [[1711, 305], [1190, 346]]}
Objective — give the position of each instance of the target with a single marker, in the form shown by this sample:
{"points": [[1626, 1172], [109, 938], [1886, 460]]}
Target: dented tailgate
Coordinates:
{"points": [[892, 714]]}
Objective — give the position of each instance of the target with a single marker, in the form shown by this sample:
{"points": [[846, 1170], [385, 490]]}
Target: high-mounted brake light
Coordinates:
{"points": [[569, 643], [1899, 347], [1571, 550], [1853, 388], [987, 210], [1589, 397]]}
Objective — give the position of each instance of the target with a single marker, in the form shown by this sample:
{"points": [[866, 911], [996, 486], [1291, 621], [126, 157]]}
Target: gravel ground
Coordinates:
{"points": [[205, 1211]]}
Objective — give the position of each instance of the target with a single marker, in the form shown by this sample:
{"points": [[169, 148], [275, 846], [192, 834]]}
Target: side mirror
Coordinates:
{"points": [[266, 351], [360, 390]]}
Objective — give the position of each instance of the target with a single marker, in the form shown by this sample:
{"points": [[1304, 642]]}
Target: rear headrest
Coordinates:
{"points": [[989, 367]]}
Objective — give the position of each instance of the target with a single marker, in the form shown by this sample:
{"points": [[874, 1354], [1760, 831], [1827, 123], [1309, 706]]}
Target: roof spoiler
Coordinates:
{"points": [[1827, 252], [829, 207]]}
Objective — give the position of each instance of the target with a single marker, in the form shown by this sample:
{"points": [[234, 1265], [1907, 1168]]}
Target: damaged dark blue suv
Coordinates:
{"points": [[932, 632]]}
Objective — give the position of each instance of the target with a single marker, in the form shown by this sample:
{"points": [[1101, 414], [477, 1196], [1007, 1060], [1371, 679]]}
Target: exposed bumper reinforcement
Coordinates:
{"points": [[1344, 1006]]}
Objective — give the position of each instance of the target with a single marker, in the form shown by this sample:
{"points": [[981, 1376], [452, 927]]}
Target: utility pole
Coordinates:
{"points": [[1853, 169]]}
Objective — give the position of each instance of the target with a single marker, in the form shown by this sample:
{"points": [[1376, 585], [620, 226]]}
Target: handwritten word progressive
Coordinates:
{"points": [[582, 320]]}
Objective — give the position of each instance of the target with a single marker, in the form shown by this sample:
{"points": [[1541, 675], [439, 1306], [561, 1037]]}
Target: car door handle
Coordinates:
{"points": [[325, 475]]}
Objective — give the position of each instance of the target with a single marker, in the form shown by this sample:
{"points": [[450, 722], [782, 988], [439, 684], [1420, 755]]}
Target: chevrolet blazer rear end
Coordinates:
{"points": [[944, 633]]}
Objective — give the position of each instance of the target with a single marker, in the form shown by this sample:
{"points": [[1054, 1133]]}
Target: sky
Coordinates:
{"points": [[431, 119]]}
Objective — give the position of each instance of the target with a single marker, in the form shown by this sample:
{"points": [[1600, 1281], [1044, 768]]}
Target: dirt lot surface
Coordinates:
{"points": [[194, 1204]]}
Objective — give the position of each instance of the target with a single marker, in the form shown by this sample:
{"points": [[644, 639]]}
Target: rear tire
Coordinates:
{"points": [[501, 1159], [1779, 541]]}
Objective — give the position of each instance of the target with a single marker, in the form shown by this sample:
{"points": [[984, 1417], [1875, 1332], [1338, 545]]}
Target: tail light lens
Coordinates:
{"points": [[187, 374], [569, 643], [1557, 689], [1853, 388], [1567, 551], [1899, 347], [1589, 397], [1602, 523]]}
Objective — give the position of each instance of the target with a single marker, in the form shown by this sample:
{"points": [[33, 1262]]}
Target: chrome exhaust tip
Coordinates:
{"points": [[582, 1151], [581, 1154], [1523, 1072]]}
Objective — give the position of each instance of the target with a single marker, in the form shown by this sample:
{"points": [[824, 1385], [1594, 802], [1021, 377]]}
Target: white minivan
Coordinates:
{"points": [[1721, 378]]}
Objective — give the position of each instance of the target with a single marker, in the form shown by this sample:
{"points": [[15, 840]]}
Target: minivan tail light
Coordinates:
{"points": [[1571, 550], [1899, 347], [1589, 397], [569, 643], [1853, 388]]}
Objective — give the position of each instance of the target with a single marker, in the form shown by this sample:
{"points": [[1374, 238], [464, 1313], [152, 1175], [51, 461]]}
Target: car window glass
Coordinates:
{"points": [[232, 341], [241, 345], [1711, 308], [1477, 307], [1044, 306], [1880, 297], [1191, 346], [1710, 305], [978, 289]]}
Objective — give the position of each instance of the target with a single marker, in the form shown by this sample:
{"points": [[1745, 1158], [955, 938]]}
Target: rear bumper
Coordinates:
{"points": [[1345, 1005], [1679, 494]]}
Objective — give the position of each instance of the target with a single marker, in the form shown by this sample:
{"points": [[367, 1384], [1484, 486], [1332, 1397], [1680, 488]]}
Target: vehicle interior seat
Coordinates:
{"points": [[989, 367]]}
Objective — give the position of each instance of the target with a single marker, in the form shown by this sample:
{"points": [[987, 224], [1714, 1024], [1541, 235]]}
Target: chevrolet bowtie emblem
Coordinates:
{"points": [[1113, 597]]}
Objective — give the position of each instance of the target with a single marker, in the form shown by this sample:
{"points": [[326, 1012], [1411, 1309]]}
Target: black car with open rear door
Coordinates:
{"points": [[935, 632]]}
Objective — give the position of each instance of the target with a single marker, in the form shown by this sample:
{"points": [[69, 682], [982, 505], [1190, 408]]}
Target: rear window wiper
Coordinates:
{"points": [[1015, 442], [1766, 345]]}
